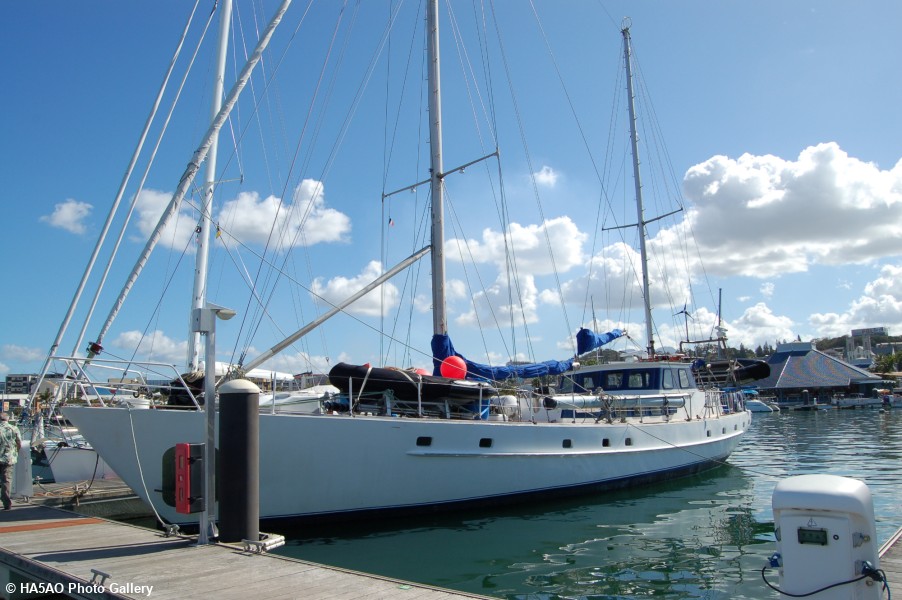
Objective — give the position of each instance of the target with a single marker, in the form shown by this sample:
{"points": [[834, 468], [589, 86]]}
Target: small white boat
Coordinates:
{"points": [[758, 406]]}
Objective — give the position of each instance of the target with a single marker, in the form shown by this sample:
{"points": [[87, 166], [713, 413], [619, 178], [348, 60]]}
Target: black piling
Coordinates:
{"points": [[239, 461]]}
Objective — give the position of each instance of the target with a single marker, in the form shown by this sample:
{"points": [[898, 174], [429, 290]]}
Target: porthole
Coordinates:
{"points": [[485, 443], [567, 444], [424, 440], [629, 441], [605, 442]]}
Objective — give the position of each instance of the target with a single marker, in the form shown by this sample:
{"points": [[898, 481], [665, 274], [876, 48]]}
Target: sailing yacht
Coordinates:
{"points": [[399, 441]]}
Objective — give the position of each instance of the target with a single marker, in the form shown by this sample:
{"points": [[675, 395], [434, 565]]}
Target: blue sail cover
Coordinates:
{"points": [[442, 348], [587, 340]]}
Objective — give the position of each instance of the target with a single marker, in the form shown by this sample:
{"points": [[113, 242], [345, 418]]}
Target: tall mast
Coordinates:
{"points": [[634, 142], [205, 226], [439, 322]]}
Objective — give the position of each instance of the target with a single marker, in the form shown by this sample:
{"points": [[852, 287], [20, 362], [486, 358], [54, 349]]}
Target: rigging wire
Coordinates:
{"points": [[388, 146], [529, 163], [261, 257], [103, 278]]}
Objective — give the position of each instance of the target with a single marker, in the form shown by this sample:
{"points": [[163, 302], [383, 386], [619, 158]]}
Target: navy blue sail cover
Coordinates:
{"points": [[586, 340]]}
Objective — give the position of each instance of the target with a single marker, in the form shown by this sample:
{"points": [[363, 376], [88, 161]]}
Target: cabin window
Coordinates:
{"points": [[588, 383], [638, 380], [568, 443], [709, 433], [424, 440], [605, 442], [685, 381], [629, 441], [566, 385], [723, 430], [485, 443], [667, 379], [613, 380]]}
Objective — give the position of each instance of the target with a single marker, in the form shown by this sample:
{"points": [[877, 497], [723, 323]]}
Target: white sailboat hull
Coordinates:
{"points": [[77, 463], [318, 465]]}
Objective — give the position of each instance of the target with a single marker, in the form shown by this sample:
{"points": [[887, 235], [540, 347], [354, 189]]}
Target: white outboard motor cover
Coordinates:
{"points": [[825, 532]]}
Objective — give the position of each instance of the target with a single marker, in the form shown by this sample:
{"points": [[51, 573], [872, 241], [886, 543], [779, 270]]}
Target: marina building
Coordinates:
{"points": [[802, 374]]}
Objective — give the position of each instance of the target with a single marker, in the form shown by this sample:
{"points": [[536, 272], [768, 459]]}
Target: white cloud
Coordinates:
{"points": [[824, 207], [17, 353], [529, 245], [338, 289], [69, 215], [494, 307], [758, 324], [767, 289], [546, 176], [303, 222], [178, 232], [613, 281], [296, 362], [155, 346], [4, 369], [455, 289], [879, 305]]}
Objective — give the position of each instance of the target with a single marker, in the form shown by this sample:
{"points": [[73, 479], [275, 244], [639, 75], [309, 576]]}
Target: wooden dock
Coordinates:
{"points": [[69, 551], [107, 498], [891, 561]]}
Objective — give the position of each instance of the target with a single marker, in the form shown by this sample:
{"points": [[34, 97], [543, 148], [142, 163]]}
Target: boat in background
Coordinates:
{"points": [[855, 401], [759, 406]]}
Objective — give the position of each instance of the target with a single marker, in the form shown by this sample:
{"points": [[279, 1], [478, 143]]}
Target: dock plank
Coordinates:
{"points": [[50, 544], [891, 561]]}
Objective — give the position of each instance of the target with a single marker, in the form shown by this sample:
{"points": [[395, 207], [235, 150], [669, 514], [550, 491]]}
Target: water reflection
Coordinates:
{"points": [[701, 537]]}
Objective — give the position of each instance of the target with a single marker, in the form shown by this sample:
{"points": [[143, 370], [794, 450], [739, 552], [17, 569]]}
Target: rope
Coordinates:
{"points": [[141, 470], [875, 574]]}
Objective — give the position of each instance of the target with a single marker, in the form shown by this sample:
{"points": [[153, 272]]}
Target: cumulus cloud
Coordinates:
{"points": [[304, 221], [69, 215], [149, 208], [498, 305], [546, 176], [529, 245], [759, 324], [612, 279], [824, 207], [295, 362], [767, 289], [879, 304], [18, 353], [374, 304], [155, 346]]}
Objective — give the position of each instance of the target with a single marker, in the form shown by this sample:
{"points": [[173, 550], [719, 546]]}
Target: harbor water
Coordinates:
{"points": [[705, 536]]}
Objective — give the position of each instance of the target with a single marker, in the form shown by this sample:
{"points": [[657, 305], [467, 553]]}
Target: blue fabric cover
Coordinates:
{"points": [[586, 340]]}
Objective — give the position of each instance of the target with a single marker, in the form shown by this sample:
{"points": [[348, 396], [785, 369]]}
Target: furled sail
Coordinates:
{"points": [[586, 340]]}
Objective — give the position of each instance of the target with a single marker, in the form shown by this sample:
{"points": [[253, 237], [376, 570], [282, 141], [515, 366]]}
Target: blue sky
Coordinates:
{"points": [[780, 122]]}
